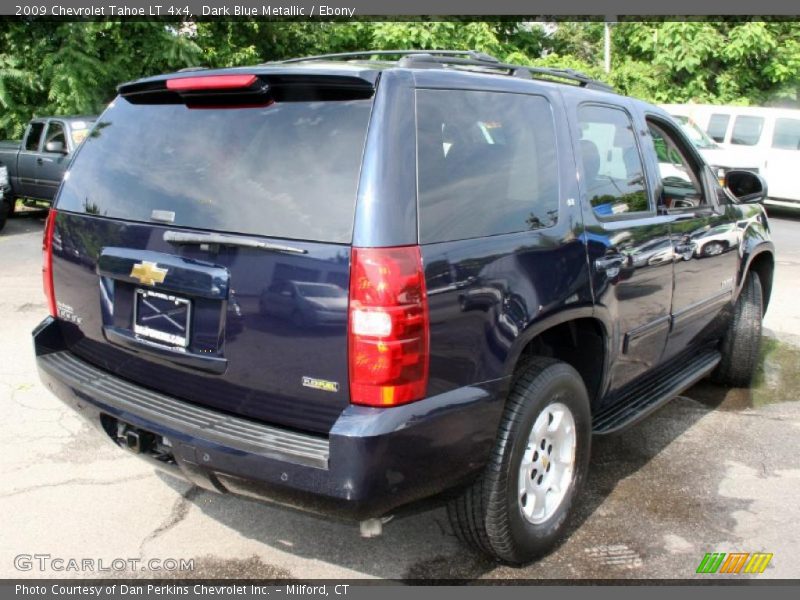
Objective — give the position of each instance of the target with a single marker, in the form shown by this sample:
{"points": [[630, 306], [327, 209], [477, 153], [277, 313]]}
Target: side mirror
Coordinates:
{"points": [[748, 187], [55, 147]]}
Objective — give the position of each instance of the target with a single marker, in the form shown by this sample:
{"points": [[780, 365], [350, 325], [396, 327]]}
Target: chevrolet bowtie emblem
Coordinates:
{"points": [[148, 273]]}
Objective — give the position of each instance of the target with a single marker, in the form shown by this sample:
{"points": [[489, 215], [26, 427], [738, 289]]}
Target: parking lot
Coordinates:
{"points": [[715, 470]]}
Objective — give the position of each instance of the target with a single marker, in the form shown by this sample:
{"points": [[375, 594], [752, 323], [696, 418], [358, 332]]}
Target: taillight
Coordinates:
{"points": [[47, 263], [388, 326]]}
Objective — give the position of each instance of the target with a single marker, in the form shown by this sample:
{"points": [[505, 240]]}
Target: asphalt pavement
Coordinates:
{"points": [[716, 470]]}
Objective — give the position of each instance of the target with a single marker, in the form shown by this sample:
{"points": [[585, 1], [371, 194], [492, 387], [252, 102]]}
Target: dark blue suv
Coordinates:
{"points": [[348, 284]]}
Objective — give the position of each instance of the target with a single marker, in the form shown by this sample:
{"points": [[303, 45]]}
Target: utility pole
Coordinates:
{"points": [[607, 42]]}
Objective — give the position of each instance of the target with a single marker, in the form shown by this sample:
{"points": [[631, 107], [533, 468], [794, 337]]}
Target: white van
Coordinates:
{"points": [[766, 138]]}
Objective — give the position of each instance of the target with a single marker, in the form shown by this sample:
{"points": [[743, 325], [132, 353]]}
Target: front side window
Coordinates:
{"points": [[747, 130], [717, 126], [787, 134], [679, 175], [486, 164], [612, 171], [55, 133]]}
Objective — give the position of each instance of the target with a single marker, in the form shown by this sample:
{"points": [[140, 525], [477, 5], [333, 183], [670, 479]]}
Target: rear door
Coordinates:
{"points": [[179, 227], [29, 160], [628, 242]]}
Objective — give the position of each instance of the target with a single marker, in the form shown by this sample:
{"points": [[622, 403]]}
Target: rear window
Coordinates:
{"points": [[747, 130], [717, 126], [787, 134], [34, 134], [287, 170], [486, 164]]}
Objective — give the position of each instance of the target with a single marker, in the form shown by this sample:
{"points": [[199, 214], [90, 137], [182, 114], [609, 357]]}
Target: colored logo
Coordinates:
{"points": [[734, 563], [149, 273]]}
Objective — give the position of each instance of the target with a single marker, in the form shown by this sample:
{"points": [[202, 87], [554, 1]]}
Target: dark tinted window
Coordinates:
{"points": [[612, 171], [487, 164], [747, 130], [286, 170], [717, 126], [34, 134], [787, 134]]}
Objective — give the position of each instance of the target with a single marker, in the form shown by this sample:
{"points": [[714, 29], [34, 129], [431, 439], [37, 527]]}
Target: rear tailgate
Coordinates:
{"points": [[201, 247]]}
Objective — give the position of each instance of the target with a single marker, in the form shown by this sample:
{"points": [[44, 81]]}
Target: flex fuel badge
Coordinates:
{"points": [[321, 384]]}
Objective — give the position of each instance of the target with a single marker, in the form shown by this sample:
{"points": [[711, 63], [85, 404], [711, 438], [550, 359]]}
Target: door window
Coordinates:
{"points": [[55, 133], [787, 134], [717, 126], [34, 134], [747, 130], [680, 175], [612, 171]]}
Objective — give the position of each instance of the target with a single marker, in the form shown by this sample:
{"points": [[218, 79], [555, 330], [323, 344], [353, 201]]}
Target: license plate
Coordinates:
{"points": [[162, 317]]}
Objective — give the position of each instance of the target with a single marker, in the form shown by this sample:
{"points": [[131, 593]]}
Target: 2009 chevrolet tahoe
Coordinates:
{"points": [[348, 284]]}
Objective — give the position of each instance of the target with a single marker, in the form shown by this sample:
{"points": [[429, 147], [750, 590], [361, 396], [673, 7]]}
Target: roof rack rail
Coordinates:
{"points": [[473, 54], [467, 58]]}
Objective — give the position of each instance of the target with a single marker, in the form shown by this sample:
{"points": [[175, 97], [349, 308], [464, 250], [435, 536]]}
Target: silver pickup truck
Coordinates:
{"points": [[37, 164]]}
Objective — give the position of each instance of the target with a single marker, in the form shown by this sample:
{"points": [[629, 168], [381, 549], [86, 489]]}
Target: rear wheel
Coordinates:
{"points": [[742, 341], [518, 508]]}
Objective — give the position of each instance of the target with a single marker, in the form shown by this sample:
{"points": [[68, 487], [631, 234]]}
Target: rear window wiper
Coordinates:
{"points": [[217, 239]]}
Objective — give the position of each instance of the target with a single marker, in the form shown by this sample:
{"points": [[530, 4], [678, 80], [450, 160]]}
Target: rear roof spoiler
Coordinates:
{"points": [[241, 88]]}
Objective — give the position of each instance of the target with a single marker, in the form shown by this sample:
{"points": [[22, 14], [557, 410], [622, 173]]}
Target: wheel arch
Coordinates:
{"points": [[762, 262], [578, 337]]}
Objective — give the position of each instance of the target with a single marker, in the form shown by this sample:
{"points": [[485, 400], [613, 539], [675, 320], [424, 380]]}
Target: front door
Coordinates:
{"points": [[705, 237], [51, 165]]}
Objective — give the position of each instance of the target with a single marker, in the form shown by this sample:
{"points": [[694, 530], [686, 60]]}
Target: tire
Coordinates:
{"points": [[714, 248], [742, 341], [490, 515], [5, 212]]}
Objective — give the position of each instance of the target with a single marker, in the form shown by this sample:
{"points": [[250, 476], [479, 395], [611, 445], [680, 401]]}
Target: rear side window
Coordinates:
{"points": [[717, 126], [34, 134], [612, 171], [787, 134], [747, 130], [289, 169], [486, 164]]}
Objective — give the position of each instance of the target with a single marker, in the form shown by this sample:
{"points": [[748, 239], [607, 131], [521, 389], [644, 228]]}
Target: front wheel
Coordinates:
{"points": [[742, 341], [5, 212], [518, 509]]}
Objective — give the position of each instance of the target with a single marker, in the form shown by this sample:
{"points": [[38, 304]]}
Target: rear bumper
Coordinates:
{"points": [[373, 462]]}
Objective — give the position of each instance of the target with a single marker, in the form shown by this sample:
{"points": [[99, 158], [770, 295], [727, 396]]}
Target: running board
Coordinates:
{"points": [[644, 397]]}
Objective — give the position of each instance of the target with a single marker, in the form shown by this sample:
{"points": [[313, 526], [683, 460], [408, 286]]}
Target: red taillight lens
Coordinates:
{"points": [[47, 263], [388, 326], [210, 82]]}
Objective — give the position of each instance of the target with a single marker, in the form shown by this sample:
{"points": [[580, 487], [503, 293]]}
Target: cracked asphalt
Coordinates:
{"points": [[716, 470]]}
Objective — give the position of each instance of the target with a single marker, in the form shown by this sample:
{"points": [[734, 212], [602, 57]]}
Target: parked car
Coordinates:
{"points": [[37, 164], [768, 139], [6, 204], [439, 170], [720, 159]]}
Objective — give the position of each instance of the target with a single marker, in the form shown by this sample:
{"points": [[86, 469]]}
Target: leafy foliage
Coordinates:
{"points": [[59, 67]]}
